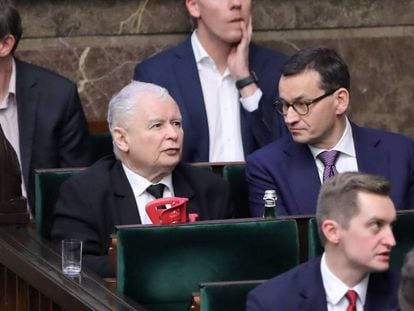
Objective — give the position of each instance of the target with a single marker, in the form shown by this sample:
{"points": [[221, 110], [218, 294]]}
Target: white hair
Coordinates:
{"points": [[122, 105]]}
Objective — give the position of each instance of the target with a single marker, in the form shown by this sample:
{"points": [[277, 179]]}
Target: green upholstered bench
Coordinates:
{"points": [[403, 233], [236, 176], [47, 184], [161, 266], [225, 296], [101, 145], [315, 247]]}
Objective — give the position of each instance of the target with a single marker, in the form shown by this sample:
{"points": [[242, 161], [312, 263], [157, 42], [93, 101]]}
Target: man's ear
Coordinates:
{"points": [[341, 100], [120, 138], [330, 229], [6, 45], [192, 7]]}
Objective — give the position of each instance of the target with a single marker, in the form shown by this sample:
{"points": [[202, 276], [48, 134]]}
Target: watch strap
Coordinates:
{"points": [[241, 83]]}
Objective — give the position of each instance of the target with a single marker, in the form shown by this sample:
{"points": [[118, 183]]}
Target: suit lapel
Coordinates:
{"points": [[370, 156], [191, 96], [302, 178], [182, 188], [125, 210], [380, 294], [310, 288], [27, 100]]}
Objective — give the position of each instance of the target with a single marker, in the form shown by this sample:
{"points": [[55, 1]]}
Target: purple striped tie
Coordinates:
{"points": [[328, 159]]}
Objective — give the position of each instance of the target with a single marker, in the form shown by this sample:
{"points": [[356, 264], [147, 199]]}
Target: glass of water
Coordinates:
{"points": [[71, 256]]}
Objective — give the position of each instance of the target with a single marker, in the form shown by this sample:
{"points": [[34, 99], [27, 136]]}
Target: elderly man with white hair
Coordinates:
{"points": [[146, 127]]}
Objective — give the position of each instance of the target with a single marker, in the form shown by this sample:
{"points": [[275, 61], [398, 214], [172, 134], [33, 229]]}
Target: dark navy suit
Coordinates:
{"points": [[289, 168], [52, 127], [301, 289], [176, 70]]}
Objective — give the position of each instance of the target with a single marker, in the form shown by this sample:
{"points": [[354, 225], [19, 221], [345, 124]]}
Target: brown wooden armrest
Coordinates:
{"points": [[195, 302], [112, 252]]}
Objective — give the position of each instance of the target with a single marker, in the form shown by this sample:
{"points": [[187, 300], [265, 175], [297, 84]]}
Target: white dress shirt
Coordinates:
{"points": [[335, 290], [9, 120], [139, 186], [347, 161], [222, 104]]}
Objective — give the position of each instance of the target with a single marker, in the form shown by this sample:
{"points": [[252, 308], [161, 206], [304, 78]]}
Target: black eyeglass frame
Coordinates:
{"points": [[279, 104]]}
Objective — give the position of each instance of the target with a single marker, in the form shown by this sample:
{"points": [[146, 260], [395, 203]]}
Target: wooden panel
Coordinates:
{"points": [[22, 295], [31, 278]]}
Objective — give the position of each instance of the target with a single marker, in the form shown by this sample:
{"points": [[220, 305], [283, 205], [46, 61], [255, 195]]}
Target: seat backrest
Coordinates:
{"points": [[403, 233], [236, 176], [101, 145], [161, 266], [315, 247], [404, 236], [225, 296], [47, 184]]}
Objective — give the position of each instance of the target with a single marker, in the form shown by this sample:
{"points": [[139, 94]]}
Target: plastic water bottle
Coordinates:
{"points": [[270, 199]]}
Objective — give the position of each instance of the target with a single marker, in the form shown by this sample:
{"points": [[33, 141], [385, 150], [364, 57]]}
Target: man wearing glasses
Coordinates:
{"points": [[314, 97]]}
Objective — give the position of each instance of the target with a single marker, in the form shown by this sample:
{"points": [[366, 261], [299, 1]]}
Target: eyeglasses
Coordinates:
{"points": [[301, 107]]}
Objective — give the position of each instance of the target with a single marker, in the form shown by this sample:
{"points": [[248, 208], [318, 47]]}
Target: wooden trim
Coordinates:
{"points": [[98, 126]]}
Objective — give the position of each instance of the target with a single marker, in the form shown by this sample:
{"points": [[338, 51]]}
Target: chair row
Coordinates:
{"points": [[48, 181], [162, 266]]}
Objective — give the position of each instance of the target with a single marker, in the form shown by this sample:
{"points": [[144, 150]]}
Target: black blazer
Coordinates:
{"points": [[92, 203], [52, 126], [301, 289]]}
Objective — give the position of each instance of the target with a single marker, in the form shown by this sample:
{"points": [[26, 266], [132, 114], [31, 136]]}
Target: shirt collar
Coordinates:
{"points": [[12, 87], [139, 184], [335, 289], [202, 58], [344, 145], [199, 52]]}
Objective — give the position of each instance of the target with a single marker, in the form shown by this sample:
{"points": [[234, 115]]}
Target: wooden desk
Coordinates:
{"points": [[31, 278]]}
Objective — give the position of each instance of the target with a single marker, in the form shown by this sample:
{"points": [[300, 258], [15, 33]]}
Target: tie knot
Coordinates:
{"points": [[328, 158], [352, 296], [156, 190]]}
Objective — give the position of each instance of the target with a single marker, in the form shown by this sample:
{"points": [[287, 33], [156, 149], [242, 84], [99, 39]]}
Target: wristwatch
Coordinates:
{"points": [[252, 78]]}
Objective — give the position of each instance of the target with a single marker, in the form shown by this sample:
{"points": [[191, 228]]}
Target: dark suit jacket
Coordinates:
{"points": [[52, 127], [290, 169], [176, 70], [301, 289], [93, 202]]}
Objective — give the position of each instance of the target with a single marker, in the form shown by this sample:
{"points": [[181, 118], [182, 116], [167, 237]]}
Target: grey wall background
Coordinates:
{"points": [[98, 42]]}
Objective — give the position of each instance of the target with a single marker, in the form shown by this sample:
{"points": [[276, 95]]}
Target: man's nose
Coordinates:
{"points": [[173, 132], [389, 238], [291, 116]]}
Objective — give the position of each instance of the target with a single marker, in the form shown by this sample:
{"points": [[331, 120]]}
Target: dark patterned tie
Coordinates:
{"points": [[156, 190], [352, 296], [328, 159]]}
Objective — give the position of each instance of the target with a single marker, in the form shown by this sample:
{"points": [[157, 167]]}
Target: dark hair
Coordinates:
{"points": [[330, 66], [406, 292], [338, 198], [10, 22]]}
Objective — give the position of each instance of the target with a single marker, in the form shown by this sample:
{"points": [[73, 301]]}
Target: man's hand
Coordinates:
{"points": [[238, 59]]}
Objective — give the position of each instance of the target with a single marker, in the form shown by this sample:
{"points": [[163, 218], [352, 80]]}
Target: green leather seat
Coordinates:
{"points": [[47, 183], [101, 145], [236, 176], [161, 266], [315, 247], [225, 296], [403, 233]]}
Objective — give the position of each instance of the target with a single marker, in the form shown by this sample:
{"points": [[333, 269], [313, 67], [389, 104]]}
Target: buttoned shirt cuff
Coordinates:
{"points": [[251, 103]]}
